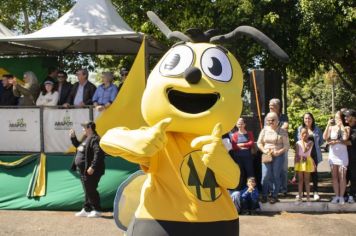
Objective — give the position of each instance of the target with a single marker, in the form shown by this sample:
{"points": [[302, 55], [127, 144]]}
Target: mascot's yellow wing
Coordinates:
{"points": [[125, 111]]}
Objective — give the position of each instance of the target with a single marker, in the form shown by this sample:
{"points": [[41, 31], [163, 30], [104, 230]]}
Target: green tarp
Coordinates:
{"points": [[64, 190], [17, 66]]}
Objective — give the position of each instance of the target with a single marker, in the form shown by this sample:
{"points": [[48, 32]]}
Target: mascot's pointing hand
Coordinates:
{"points": [[211, 145], [156, 137], [145, 141]]}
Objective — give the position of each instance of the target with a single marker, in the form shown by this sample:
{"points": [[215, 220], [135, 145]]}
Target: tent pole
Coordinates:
{"points": [[147, 58]]}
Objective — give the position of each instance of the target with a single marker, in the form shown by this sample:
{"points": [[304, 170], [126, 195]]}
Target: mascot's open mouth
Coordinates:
{"points": [[192, 103]]}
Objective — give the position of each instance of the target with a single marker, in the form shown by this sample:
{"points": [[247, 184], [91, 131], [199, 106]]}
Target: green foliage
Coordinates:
{"points": [[314, 95], [317, 34], [327, 37], [316, 92], [25, 16]]}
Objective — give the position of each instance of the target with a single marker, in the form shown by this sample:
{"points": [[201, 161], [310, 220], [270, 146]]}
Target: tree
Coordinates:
{"points": [[327, 37], [317, 34], [26, 16]]}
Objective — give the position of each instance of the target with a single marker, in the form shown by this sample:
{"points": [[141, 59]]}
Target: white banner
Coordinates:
{"points": [[20, 130], [56, 126]]}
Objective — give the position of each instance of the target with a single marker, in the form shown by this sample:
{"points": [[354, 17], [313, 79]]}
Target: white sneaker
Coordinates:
{"points": [[94, 214], [341, 200], [351, 200], [82, 213], [316, 197], [298, 200], [335, 200]]}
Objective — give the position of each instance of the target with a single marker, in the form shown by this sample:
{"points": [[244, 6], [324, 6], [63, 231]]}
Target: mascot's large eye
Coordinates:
{"points": [[176, 61], [216, 65]]}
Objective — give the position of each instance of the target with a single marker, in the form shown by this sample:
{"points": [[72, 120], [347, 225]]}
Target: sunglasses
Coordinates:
{"points": [[272, 120]]}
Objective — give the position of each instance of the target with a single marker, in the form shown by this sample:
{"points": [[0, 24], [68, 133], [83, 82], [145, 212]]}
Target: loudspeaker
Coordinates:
{"points": [[269, 85]]}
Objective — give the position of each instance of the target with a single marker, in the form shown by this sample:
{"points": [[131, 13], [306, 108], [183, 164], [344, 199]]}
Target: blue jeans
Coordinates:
{"points": [[284, 174], [271, 175], [235, 196], [244, 159]]}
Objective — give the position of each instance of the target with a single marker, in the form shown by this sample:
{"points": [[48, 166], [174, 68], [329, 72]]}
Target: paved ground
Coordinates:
{"points": [[38, 223], [65, 223]]}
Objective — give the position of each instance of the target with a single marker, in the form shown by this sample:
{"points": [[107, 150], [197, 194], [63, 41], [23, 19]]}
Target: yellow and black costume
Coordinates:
{"points": [[193, 96]]}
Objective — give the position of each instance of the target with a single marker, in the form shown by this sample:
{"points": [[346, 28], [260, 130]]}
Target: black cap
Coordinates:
{"points": [[89, 124], [350, 112]]}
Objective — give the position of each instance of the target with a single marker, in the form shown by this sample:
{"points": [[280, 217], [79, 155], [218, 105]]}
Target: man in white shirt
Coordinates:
{"points": [[82, 91]]}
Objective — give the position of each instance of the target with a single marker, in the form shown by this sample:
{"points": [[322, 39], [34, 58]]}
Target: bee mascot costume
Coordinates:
{"points": [[193, 97]]}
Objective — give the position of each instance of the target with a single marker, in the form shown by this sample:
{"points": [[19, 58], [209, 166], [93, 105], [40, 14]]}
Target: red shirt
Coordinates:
{"points": [[248, 145]]}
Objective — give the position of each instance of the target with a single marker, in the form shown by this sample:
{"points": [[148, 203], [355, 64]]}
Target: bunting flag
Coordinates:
{"points": [[128, 102], [3, 72], [18, 163], [40, 185], [37, 185]]}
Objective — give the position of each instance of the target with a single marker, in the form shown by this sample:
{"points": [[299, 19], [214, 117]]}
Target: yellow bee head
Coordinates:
{"points": [[196, 83]]}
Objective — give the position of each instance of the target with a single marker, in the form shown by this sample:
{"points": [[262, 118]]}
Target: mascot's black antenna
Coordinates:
{"points": [[197, 36], [165, 30], [258, 36]]}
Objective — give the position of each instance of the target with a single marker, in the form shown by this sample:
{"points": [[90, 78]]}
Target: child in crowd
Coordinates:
{"points": [[49, 96], [249, 198], [304, 164]]}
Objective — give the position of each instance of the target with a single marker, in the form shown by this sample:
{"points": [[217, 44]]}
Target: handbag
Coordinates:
{"points": [[266, 157]]}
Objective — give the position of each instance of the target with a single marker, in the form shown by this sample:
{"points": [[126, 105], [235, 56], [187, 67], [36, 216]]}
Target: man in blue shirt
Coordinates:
{"points": [[105, 93]]}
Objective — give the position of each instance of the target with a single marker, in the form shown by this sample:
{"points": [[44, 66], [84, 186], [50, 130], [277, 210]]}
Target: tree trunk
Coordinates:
{"points": [[27, 21]]}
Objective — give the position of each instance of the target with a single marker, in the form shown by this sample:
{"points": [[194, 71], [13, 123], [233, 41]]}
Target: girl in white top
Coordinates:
{"points": [[336, 134], [49, 97]]}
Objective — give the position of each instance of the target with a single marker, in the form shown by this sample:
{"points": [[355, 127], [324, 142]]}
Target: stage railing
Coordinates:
{"points": [[41, 129]]}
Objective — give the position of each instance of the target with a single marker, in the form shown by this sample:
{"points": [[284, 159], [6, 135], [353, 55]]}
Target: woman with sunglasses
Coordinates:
{"points": [[273, 140]]}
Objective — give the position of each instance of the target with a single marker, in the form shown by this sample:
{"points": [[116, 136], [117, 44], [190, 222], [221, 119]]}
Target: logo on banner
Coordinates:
{"points": [[65, 124], [19, 125]]}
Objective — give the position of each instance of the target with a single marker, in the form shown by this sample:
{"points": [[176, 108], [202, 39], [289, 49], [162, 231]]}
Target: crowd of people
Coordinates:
{"points": [[263, 182], [268, 181], [57, 91]]}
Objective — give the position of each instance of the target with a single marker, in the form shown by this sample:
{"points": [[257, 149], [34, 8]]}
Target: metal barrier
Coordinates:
{"points": [[41, 129]]}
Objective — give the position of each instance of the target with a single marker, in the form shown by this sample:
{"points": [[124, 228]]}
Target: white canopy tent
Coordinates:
{"points": [[90, 27], [5, 32], [8, 48]]}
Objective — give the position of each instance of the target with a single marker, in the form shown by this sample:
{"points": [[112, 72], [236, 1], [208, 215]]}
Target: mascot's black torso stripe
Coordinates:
{"points": [[169, 228]]}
